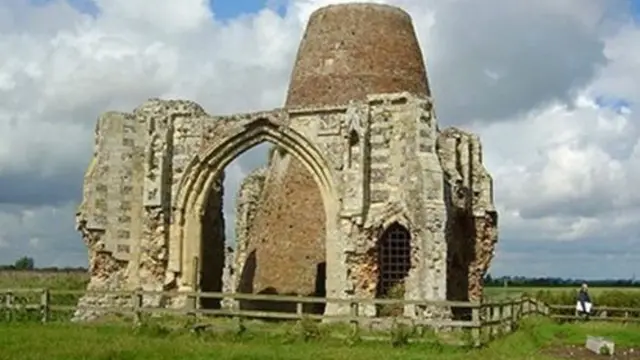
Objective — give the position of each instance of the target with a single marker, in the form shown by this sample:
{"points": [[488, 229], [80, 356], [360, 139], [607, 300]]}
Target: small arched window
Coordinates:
{"points": [[394, 258]]}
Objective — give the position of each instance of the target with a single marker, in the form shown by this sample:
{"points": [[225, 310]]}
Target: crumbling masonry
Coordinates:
{"points": [[363, 192]]}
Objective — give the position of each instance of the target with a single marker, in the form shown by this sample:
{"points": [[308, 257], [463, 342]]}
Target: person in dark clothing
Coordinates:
{"points": [[584, 301]]}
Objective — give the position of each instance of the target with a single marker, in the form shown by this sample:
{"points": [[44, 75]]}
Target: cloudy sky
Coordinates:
{"points": [[552, 87]]}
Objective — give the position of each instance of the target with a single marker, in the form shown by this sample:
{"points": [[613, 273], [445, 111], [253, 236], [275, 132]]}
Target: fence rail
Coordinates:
{"points": [[600, 313], [484, 321]]}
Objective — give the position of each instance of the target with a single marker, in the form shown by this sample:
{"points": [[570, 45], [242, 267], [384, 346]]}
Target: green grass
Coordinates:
{"points": [[79, 280], [602, 297], [36, 279], [64, 341], [40, 280], [506, 292]]}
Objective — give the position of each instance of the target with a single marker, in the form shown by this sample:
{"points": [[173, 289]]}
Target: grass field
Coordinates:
{"points": [[504, 292], [35, 279], [79, 280], [537, 339], [605, 296]]}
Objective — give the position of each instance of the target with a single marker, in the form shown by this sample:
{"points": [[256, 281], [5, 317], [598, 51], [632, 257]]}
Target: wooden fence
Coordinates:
{"points": [[599, 313], [483, 321]]}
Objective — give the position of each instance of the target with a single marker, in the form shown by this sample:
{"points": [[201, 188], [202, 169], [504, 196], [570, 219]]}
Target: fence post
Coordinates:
{"points": [[198, 304], [137, 306], [44, 305], [502, 315], [8, 303], [354, 315], [299, 307], [236, 311], [477, 324], [508, 316], [514, 315], [193, 300], [420, 328], [491, 316]]}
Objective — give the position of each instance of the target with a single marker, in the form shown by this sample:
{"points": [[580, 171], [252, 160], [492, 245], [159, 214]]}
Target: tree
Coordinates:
{"points": [[488, 280], [24, 263]]}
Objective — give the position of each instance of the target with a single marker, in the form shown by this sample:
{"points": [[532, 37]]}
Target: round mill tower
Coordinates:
{"points": [[347, 52], [351, 50]]}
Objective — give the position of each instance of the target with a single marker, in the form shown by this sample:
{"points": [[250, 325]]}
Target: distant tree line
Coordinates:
{"points": [[26, 263], [522, 281]]}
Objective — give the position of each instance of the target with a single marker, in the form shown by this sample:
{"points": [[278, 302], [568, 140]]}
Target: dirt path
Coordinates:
{"points": [[580, 352]]}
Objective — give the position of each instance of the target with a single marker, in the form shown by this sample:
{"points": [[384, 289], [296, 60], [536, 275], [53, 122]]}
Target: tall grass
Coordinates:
{"points": [[608, 299], [92, 342], [613, 297], [14, 279], [58, 280]]}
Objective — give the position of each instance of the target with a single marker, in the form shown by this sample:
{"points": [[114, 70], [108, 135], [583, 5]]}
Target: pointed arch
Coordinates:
{"points": [[391, 213], [236, 137]]}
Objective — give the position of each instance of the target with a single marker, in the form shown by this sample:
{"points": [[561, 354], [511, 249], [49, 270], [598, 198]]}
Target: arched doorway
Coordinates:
{"points": [[204, 172]]}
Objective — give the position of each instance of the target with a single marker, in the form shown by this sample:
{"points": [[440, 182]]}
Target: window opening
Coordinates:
{"points": [[394, 260]]}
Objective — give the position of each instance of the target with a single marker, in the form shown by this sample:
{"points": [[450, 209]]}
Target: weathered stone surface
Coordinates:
{"points": [[472, 220], [286, 236], [358, 151], [247, 202], [600, 345], [349, 51], [107, 273]]}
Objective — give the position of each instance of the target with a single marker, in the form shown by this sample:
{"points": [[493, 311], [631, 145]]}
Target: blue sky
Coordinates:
{"points": [[223, 9], [635, 4], [230, 9]]}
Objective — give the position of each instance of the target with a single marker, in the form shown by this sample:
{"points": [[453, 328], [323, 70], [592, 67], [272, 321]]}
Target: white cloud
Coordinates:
{"points": [[525, 75], [164, 16], [566, 174]]}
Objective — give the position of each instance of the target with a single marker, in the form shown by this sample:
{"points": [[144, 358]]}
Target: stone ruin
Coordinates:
{"points": [[363, 193]]}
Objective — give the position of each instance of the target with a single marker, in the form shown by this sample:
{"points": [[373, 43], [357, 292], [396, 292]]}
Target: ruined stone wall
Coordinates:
{"points": [[247, 201], [112, 192], [472, 218], [287, 233], [359, 96], [124, 217], [228, 278], [108, 216], [391, 163], [406, 182], [171, 127]]}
